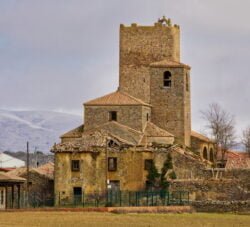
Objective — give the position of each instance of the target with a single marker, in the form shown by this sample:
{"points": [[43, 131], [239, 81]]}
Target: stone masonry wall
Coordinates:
{"points": [[171, 105], [131, 116], [222, 190], [140, 46]]}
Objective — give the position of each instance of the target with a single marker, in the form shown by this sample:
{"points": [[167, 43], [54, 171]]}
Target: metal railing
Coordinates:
{"points": [[102, 199], [125, 199]]}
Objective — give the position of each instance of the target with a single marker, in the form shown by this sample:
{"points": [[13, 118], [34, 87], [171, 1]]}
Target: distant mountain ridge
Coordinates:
{"points": [[41, 128]]}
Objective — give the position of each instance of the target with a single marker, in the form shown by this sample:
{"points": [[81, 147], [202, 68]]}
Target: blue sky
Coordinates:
{"points": [[57, 54]]}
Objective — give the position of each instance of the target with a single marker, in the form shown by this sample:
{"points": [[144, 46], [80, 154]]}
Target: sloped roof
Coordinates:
{"points": [[4, 177], [168, 63], [237, 160], [97, 137], [122, 132], [200, 137], [46, 170], [8, 161], [154, 131], [117, 98], [17, 172], [86, 143], [74, 133]]}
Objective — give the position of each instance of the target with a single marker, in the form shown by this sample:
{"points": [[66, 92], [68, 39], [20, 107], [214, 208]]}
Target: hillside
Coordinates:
{"points": [[41, 128]]}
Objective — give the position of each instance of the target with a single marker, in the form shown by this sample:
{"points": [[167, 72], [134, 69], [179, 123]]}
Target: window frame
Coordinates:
{"points": [[112, 115], [114, 168], [167, 81], [73, 167]]}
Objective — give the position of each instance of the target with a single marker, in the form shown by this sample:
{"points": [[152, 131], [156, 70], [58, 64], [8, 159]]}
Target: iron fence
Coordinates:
{"points": [[101, 199], [125, 199]]}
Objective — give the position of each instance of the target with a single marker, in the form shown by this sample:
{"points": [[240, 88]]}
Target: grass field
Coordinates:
{"points": [[73, 219]]}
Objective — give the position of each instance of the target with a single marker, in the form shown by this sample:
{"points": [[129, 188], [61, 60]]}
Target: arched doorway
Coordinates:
{"points": [[205, 153]]}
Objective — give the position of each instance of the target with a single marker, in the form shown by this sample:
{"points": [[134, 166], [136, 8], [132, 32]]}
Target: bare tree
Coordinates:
{"points": [[221, 126], [246, 139]]}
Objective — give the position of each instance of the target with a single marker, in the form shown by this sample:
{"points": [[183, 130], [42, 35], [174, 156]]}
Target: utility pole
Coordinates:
{"points": [[36, 164], [28, 170]]}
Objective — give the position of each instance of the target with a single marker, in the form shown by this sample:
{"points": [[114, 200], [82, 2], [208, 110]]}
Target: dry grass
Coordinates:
{"points": [[73, 219]]}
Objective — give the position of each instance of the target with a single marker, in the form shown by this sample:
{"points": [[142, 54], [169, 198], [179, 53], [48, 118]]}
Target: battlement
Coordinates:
{"points": [[161, 23]]}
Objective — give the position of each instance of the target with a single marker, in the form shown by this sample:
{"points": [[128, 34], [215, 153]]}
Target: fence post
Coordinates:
{"points": [[180, 198], [147, 198], [120, 198], [59, 199], [111, 195], [83, 198]]}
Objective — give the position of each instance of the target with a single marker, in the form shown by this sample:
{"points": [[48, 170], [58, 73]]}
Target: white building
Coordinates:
{"points": [[7, 161]]}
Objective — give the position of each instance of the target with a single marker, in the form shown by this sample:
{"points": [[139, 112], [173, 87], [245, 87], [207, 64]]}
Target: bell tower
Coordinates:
{"points": [[150, 70], [170, 98]]}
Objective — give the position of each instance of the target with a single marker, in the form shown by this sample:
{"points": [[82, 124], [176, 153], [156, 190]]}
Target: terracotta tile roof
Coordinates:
{"points": [[237, 160], [168, 63], [120, 131], [18, 171], [200, 137], [154, 131], [123, 134], [74, 133], [87, 143], [4, 177], [116, 98], [46, 169]]}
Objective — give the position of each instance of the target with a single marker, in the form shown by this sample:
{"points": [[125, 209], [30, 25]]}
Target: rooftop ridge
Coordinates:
{"points": [[116, 98]]}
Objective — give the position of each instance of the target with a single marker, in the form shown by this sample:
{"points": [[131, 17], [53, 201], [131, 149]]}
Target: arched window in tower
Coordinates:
{"points": [[187, 82], [167, 79], [205, 152]]}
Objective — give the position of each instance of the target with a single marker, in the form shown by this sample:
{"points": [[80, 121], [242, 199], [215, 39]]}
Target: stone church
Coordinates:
{"points": [[148, 116]]}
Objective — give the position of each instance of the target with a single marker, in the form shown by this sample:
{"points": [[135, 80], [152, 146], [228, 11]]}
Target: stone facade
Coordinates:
{"points": [[132, 116], [140, 46], [203, 146], [171, 105], [143, 49], [148, 117]]}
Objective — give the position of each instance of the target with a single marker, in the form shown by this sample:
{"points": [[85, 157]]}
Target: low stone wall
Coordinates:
{"points": [[222, 189], [221, 206]]}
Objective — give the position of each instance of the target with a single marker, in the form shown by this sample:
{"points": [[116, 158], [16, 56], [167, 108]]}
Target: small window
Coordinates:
{"points": [[112, 143], [148, 163], [147, 116], [75, 165], [187, 82], [112, 164], [167, 79], [113, 116]]}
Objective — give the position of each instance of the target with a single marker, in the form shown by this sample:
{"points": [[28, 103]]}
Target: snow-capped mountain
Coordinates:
{"points": [[41, 128]]}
